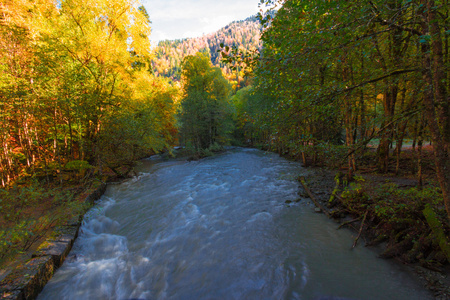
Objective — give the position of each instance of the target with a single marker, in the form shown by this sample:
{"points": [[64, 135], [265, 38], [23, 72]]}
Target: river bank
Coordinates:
{"points": [[433, 271], [26, 274]]}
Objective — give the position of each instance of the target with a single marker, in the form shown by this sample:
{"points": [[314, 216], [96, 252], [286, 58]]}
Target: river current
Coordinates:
{"points": [[220, 228]]}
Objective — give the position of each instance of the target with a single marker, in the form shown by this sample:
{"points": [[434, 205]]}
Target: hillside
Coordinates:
{"points": [[170, 54]]}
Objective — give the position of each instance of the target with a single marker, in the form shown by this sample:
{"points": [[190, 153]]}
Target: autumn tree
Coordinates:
{"points": [[68, 68], [143, 124], [170, 54]]}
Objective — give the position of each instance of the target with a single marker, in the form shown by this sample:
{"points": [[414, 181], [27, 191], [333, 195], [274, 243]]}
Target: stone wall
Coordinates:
{"points": [[27, 280]]}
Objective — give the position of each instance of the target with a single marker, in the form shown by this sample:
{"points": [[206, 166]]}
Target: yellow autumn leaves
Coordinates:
{"points": [[71, 68]]}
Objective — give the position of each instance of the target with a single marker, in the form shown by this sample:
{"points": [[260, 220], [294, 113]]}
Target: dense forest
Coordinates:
{"points": [[243, 34], [337, 84]]}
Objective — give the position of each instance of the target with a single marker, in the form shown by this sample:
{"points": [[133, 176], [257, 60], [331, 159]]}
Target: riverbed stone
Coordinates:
{"points": [[58, 251], [27, 280]]}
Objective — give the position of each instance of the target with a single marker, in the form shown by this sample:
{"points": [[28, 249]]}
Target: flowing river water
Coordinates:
{"points": [[219, 228]]}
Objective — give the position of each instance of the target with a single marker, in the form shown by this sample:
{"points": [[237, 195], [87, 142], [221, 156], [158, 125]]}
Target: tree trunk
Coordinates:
{"points": [[435, 98], [420, 132], [390, 98], [400, 132]]}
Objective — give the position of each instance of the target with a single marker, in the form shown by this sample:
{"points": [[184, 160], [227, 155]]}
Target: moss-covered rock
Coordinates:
{"points": [[58, 251], [65, 234]]}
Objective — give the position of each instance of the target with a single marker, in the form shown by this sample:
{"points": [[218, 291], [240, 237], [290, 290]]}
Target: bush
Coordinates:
{"points": [[215, 147], [206, 153], [78, 165], [392, 209]]}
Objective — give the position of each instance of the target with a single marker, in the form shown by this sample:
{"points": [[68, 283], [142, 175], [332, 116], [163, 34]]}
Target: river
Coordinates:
{"points": [[219, 228]]}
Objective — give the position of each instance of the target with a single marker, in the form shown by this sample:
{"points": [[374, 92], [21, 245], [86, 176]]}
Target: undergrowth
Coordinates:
{"points": [[28, 212], [396, 216]]}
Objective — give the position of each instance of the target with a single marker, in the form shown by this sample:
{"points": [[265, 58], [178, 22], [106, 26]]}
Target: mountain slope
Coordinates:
{"points": [[169, 54]]}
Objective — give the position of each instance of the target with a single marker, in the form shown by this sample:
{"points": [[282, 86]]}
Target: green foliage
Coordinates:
{"points": [[215, 147], [355, 198], [395, 208], [11, 238], [78, 165], [206, 112], [206, 153], [14, 201]]}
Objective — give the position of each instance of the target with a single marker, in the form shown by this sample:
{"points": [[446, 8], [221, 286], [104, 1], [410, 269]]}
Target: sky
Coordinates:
{"points": [[176, 19]]}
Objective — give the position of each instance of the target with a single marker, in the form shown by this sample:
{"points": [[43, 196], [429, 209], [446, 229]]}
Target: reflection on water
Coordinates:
{"points": [[219, 228]]}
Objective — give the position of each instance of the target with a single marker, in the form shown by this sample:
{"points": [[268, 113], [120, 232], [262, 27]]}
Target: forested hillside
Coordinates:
{"points": [[244, 34]]}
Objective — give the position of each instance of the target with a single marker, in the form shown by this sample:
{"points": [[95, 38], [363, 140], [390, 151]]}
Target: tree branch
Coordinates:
{"points": [[391, 24], [397, 72]]}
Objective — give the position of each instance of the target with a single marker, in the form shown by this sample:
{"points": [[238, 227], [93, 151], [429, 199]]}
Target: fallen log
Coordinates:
{"points": [[437, 229], [334, 194], [360, 229], [317, 203]]}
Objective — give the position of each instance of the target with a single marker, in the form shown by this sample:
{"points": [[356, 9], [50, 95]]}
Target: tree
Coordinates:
{"points": [[67, 69], [143, 125], [334, 64], [205, 110]]}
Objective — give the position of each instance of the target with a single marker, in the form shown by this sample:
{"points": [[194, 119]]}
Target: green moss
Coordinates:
{"points": [[43, 246], [438, 230]]}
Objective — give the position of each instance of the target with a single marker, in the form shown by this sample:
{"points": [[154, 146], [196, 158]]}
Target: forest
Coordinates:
{"points": [[245, 35], [357, 87]]}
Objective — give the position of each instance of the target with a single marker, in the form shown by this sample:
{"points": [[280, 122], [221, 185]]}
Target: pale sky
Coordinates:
{"points": [[176, 19]]}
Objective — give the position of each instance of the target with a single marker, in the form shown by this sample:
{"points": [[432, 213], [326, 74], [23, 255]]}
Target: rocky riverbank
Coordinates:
{"points": [[26, 280]]}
